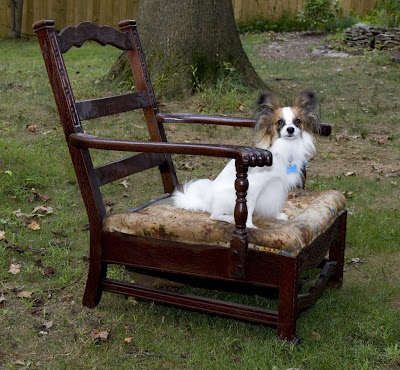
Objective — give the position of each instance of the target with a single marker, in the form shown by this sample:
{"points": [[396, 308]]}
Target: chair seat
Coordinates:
{"points": [[310, 213]]}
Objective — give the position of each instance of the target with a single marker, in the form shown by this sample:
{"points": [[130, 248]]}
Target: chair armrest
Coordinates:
{"points": [[248, 156], [204, 119], [324, 129]]}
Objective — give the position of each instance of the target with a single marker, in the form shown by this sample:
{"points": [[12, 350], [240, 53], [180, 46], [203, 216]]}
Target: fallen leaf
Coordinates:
{"points": [[2, 235], [125, 184], [37, 312], [190, 166], [34, 226], [348, 194], [315, 335], [38, 196], [172, 128], [15, 268], [46, 325], [350, 173], [133, 301], [24, 294], [2, 299], [241, 108], [19, 363], [101, 335], [40, 211], [67, 298], [18, 213], [48, 271], [128, 340], [33, 128], [357, 261], [377, 168]]}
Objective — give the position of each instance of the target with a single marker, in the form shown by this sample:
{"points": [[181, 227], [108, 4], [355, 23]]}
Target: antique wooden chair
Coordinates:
{"points": [[158, 238]]}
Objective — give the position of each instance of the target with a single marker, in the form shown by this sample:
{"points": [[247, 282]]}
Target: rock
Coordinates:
{"points": [[366, 36], [332, 54]]}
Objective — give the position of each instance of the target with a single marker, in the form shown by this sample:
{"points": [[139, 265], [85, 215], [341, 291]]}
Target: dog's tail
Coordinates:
{"points": [[195, 196]]}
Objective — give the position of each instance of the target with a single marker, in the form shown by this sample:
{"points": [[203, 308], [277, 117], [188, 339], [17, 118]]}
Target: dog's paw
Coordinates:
{"points": [[282, 217], [224, 218]]}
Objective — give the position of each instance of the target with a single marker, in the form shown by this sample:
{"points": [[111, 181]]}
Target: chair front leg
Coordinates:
{"points": [[336, 253], [97, 271], [288, 290]]}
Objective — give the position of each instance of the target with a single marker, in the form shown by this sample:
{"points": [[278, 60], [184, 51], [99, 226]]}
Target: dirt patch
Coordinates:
{"points": [[290, 45], [371, 157]]}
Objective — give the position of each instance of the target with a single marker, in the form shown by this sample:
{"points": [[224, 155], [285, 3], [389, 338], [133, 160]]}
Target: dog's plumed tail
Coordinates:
{"points": [[195, 196]]}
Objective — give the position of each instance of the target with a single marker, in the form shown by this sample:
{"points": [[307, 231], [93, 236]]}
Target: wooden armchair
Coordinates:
{"points": [[161, 240]]}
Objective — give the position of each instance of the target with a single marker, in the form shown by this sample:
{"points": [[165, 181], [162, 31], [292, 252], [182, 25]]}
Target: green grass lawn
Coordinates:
{"points": [[42, 321]]}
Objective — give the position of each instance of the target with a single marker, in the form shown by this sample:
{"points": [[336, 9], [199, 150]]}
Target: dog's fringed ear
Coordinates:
{"points": [[267, 102], [306, 100], [307, 103]]}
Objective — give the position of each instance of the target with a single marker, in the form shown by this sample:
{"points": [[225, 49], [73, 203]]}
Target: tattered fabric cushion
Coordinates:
{"points": [[310, 214]]}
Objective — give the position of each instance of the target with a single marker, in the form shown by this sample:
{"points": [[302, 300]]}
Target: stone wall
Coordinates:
{"points": [[366, 36]]}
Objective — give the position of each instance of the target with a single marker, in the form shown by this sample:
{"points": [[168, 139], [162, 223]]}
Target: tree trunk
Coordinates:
{"points": [[190, 44], [16, 7]]}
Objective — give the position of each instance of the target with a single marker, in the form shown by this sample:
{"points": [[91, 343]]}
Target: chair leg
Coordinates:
{"points": [[97, 271], [336, 253], [288, 289], [94, 290]]}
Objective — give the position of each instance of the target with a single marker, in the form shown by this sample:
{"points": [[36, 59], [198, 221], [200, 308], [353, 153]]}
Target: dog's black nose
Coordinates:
{"points": [[290, 130]]}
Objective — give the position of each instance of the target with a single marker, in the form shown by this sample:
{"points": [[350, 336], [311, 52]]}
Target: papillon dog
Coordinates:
{"points": [[287, 132]]}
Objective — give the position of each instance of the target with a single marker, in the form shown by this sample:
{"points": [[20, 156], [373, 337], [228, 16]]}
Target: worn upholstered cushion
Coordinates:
{"points": [[310, 214]]}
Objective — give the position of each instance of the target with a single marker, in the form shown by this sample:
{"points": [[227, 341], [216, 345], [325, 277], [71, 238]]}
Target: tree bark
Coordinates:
{"points": [[16, 7], [190, 44]]}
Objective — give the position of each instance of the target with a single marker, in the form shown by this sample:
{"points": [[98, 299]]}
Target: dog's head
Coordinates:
{"points": [[274, 121]]}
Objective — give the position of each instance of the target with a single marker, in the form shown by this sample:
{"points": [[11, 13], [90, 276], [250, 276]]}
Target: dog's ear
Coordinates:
{"points": [[267, 102], [307, 103], [306, 100]]}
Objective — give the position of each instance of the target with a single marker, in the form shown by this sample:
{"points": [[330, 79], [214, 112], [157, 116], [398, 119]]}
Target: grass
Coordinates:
{"points": [[355, 327]]}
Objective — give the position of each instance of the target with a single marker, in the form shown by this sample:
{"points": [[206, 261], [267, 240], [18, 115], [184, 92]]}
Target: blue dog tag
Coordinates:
{"points": [[291, 169]]}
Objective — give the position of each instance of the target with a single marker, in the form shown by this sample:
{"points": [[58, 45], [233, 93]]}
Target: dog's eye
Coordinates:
{"points": [[297, 122], [280, 123]]}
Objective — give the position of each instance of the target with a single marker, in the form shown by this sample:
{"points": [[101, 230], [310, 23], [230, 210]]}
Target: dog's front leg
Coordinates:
{"points": [[250, 210]]}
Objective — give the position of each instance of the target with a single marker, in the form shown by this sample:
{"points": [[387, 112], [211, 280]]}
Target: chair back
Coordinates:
{"points": [[72, 113]]}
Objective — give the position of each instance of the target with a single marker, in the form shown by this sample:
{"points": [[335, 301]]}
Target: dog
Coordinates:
{"points": [[288, 133]]}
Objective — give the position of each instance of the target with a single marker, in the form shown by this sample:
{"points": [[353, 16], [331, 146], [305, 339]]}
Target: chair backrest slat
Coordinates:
{"points": [[128, 166], [95, 108], [85, 31]]}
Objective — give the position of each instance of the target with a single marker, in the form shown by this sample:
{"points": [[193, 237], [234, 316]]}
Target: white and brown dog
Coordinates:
{"points": [[287, 132]]}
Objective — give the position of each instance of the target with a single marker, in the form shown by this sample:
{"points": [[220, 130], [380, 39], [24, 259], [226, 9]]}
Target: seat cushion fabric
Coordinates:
{"points": [[310, 214]]}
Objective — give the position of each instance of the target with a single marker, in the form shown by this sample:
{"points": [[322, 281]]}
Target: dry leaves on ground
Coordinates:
{"points": [[99, 335], [15, 268]]}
